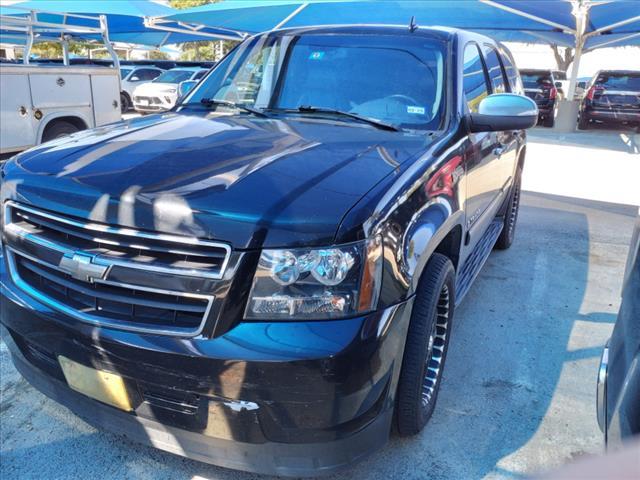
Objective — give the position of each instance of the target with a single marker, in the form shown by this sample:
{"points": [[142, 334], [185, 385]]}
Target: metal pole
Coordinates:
{"points": [[107, 43], [65, 50], [581, 12], [30, 37]]}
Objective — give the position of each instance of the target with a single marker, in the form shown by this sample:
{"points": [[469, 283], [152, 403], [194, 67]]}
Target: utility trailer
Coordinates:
{"points": [[40, 102]]}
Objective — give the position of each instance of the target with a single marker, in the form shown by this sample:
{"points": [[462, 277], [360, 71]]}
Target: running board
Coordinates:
{"points": [[476, 259]]}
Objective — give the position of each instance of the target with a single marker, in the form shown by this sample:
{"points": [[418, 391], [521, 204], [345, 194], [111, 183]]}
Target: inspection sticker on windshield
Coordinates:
{"points": [[416, 110], [316, 56]]}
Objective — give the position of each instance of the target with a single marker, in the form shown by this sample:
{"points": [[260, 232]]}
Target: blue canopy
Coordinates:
{"points": [[539, 21], [125, 21]]}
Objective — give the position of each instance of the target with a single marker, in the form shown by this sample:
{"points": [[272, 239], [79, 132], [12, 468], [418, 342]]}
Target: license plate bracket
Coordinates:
{"points": [[105, 387]]}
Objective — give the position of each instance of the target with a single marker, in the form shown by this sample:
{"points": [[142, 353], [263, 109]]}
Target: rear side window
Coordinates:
{"points": [[199, 75], [474, 82], [495, 70], [618, 81], [512, 74], [532, 79]]}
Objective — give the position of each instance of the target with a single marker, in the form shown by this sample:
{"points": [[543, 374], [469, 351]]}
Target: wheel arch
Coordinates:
{"points": [[48, 121]]}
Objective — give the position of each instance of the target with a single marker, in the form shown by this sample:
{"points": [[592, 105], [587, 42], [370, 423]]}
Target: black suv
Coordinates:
{"points": [[613, 97], [265, 277], [540, 86]]}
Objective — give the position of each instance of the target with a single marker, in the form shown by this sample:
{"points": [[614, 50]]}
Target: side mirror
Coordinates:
{"points": [[504, 111], [135, 78], [185, 87], [558, 84]]}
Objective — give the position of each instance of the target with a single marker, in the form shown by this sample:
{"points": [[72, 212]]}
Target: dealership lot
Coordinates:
{"points": [[519, 389]]}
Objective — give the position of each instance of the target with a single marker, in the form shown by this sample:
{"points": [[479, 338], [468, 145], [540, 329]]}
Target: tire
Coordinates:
{"points": [[549, 121], [58, 129], [125, 103], [583, 123], [511, 214], [427, 343]]}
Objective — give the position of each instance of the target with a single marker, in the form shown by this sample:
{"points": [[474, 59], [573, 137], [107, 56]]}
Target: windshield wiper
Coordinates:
{"points": [[311, 109], [209, 102]]}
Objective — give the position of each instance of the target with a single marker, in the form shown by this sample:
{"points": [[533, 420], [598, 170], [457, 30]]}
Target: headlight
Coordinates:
{"points": [[318, 283]]}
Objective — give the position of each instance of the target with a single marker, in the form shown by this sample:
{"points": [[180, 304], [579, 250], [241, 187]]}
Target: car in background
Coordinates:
{"points": [[613, 97], [161, 94], [540, 86], [561, 81], [581, 87], [131, 77], [618, 390]]}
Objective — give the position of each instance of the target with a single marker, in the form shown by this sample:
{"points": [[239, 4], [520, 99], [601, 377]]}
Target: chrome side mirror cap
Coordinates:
{"points": [[504, 111]]}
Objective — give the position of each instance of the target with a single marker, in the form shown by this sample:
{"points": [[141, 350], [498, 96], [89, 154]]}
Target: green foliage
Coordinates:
{"points": [[180, 4], [204, 50], [158, 55]]}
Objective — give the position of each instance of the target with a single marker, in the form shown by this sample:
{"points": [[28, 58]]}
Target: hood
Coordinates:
{"points": [[155, 88], [249, 181]]}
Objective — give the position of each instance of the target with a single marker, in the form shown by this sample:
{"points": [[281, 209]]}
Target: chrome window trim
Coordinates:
{"points": [[98, 321], [119, 231]]}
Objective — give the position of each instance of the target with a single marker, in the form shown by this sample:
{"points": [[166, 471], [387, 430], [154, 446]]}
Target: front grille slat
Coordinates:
{"points": [[67, 262]]}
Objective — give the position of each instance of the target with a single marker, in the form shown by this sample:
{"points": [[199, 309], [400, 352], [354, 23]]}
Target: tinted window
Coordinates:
{"points": [[395, 79], [495, 69], [532, 79], [616, 81], [512, 73], [199, 75], [174, 76], [124, 72], [474, 81], [147, 74]]}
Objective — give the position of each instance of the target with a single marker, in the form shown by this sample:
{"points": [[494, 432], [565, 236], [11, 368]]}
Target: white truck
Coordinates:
{"points": [[39, 103]]}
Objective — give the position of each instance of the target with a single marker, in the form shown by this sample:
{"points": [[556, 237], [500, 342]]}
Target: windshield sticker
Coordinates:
{"points": [[416, 110], [316, 56]]}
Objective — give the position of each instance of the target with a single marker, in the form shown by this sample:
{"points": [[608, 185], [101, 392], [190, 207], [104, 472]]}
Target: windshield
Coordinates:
{"points": [[613, 81], [174, 76], [124, 72], [535, 80], [394, 79]]}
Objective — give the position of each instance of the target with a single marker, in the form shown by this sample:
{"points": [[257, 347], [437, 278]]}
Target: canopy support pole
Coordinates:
{"points": [[581, 12], [290, 16]]}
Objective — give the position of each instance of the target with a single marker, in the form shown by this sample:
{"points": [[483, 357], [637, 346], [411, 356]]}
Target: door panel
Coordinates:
{"points": [[16, 114], [106, 99]]}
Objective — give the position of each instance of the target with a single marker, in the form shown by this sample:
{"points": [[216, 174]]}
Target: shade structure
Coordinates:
{"points": [[535, 21], [125, 21]]}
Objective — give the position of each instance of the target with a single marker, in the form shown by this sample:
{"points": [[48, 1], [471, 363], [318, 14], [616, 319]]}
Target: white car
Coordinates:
{"points": [[162, 93], [133, 76]]}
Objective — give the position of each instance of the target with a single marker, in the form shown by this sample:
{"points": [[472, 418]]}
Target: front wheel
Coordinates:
{"points": [[511, 214], [125, 103], [426, 346]]}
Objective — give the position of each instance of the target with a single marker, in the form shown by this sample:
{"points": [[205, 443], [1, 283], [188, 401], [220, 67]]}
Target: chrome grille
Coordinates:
{"points": [[72, 266]]}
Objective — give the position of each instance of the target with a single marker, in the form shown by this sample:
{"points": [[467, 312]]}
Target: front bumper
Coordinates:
{"points": [[154, 103], [285, 398]]}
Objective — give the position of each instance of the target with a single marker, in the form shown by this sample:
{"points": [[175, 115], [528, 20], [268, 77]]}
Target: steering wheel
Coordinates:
{"points": [[405, 99]]}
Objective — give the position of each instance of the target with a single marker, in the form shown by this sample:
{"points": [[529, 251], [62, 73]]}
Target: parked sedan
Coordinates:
{"points": [[161, 94], [613, 97], [132, 76], [539, 85], [618, 393]]}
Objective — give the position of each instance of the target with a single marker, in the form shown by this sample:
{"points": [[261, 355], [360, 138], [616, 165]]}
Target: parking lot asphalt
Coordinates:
{"points": [[518, 395]]}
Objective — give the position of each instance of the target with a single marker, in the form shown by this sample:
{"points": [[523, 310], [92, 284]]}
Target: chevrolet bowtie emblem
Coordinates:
{"points": [[81, 267]]}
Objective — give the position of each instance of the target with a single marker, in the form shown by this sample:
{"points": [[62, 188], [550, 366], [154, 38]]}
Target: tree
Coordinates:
{"points": [[158, 55], [205, 50], [563, 55]]}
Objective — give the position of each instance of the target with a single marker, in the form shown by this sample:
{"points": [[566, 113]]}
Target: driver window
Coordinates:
{"points": [[474, 81]]}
